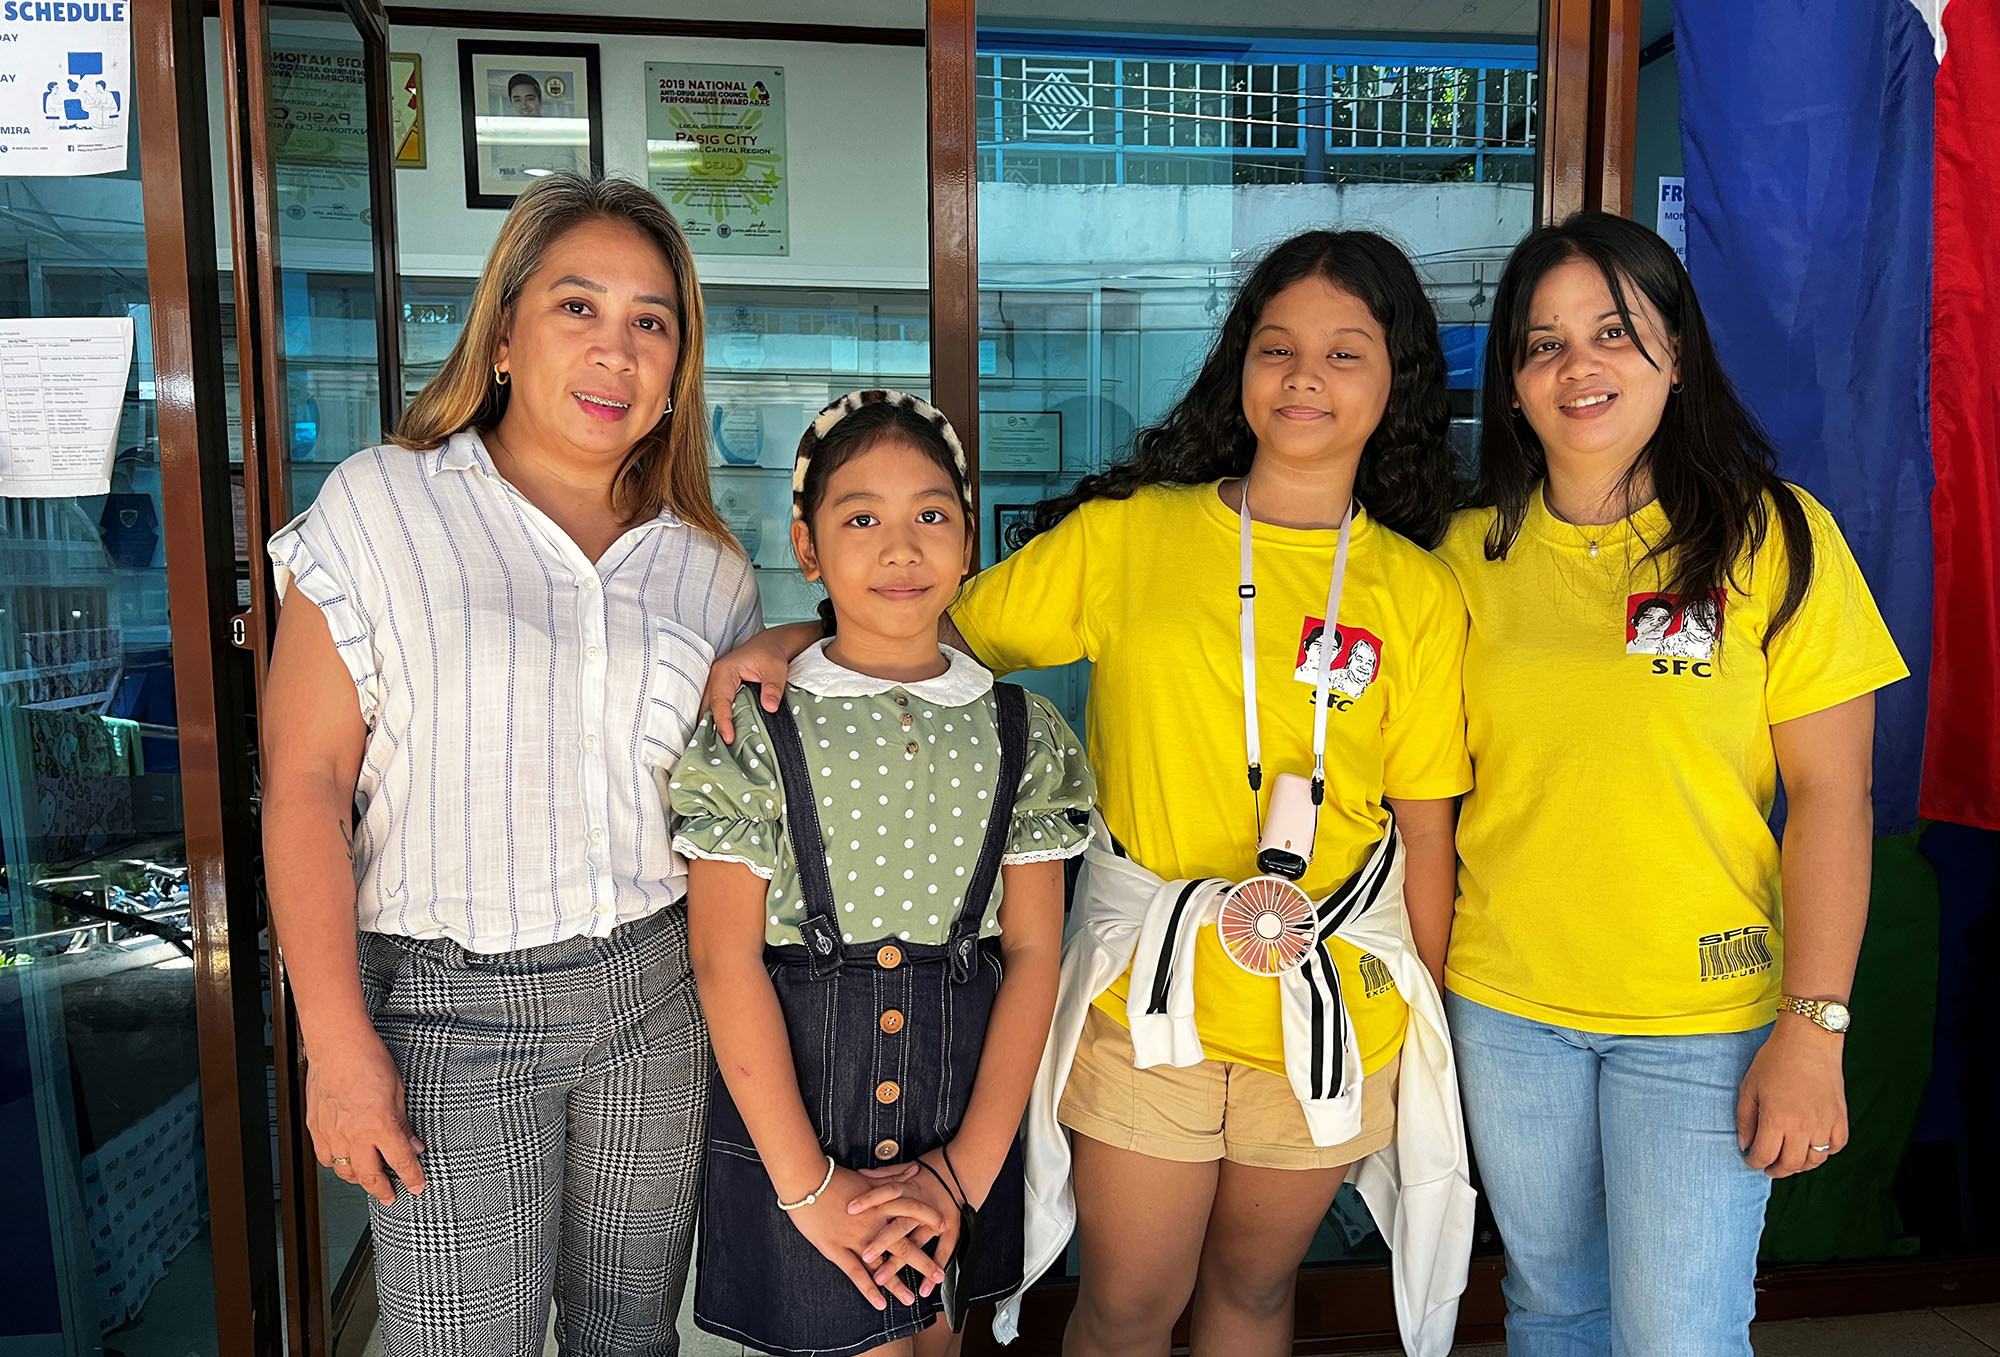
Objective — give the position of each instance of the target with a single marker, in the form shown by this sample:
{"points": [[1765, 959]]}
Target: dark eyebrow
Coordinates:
{"points": [[578, 280], [930, 492], [1283, 330], [1602, 316]]}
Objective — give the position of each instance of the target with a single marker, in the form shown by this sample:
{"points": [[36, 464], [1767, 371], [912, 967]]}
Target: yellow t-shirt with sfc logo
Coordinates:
{"points": [[1617, 870], [1145, 588]]}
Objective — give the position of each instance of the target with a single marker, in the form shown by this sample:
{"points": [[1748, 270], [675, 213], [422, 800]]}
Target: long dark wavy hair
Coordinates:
{"points": [[1711, 463], [1405, 477]]}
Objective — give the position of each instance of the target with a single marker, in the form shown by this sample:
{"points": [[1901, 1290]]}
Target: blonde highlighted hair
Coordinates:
{"points": [[667, 468]]}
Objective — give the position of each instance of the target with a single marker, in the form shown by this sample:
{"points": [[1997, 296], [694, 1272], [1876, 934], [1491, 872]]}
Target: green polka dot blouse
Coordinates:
{"points": [[904, 783]]}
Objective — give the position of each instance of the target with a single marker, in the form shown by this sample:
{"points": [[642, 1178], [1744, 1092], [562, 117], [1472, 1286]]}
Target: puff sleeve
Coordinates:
{"points": [[726, 799], [1056, 782]]}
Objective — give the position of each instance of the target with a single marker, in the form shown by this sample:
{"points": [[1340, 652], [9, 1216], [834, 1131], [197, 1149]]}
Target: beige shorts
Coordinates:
{"points": [[1214, 1110]]}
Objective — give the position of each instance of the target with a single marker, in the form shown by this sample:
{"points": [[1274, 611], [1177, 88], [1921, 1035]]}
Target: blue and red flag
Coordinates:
{"points": [[1843, 194]]}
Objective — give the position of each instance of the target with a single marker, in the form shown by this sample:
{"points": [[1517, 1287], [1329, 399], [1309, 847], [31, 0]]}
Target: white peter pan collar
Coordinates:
{"points": [[966, 680]]}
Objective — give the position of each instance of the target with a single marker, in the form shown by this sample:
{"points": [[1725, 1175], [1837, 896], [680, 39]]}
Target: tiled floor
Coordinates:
{"points": [[1970, 1331]]}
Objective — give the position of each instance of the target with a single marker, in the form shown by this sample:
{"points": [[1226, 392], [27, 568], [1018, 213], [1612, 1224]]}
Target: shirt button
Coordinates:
{"points": [[903, 702], [590, 581], [597, 836], [911, 749], [885, 1150], [887, 1092], [890, 957], [590, 742], [908, 720], [593, 652], [892, 1021]]}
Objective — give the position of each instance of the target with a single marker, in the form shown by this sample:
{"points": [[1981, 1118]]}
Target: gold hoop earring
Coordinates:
{"points": [[670, 408], [500, 376]]}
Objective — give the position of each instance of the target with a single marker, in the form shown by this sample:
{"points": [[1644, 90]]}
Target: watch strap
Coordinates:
{"points": [[1813, 1010]]}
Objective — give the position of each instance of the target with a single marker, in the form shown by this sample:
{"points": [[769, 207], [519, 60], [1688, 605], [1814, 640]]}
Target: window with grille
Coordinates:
{"points": [[1060, 118]]}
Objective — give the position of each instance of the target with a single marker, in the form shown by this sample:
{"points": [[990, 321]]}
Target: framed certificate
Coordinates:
{"points": [[1020, 440]]}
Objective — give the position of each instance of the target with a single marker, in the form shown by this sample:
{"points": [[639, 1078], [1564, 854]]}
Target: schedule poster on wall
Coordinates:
{"points": [[319, 141], [715, 151], [64, 88]]}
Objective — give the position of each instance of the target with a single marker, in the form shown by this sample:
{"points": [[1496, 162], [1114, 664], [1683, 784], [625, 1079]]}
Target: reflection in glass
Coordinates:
{"points": [[100, 1110], [331, 340]]}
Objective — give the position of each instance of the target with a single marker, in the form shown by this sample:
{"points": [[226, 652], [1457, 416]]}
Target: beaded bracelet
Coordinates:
{"points": [[812, 1196]]}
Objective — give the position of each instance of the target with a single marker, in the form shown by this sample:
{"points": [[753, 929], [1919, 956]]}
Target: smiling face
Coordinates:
{"points": [[1316, 377], [889, 539], [592, 344], [1362, 661], [1593, 399]]}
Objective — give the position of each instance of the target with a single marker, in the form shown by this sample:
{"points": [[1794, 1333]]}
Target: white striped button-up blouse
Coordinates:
{"points": [[524, 706]]}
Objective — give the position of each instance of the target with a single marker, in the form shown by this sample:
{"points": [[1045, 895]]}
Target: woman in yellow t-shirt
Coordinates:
{"points": [[1661, 630], [1322, 402]]}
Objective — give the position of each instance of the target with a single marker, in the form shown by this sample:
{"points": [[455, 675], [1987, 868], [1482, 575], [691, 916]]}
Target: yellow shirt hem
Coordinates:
{"points": [[1744, 1019], [1112, 1005]]}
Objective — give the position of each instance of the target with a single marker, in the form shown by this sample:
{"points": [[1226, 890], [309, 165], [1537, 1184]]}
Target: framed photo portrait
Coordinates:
{"points": [[528, 110]]}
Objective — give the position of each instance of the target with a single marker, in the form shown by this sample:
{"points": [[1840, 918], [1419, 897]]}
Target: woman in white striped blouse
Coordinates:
{"points": [[489, 659]]}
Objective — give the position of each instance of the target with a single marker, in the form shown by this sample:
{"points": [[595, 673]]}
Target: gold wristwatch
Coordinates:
{"points": [[1826, 1013]]}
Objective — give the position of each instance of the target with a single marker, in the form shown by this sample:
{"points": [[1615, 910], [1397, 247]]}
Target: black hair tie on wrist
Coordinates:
{"points": [[959, 1269]]}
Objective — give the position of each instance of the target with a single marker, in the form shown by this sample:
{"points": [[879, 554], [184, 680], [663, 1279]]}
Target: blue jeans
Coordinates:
{"points": [[1629, 1217]]}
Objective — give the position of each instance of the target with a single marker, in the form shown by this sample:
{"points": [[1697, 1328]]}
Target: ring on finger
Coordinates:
{"points": [[1821, 1149], [341, 1161]]}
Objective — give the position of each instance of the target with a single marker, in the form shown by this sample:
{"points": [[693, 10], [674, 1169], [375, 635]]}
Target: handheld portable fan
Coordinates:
{"points": [[1266, 925]]}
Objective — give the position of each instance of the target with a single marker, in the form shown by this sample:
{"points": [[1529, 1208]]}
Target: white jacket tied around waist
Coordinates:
{"points": [[1418, 1188]]}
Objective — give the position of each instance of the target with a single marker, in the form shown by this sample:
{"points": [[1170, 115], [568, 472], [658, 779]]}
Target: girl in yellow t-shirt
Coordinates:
{"points": [[1660, 630], [1321, 403]]}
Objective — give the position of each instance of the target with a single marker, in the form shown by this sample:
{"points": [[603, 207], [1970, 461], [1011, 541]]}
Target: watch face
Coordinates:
{"points": [[1836, 1017]]}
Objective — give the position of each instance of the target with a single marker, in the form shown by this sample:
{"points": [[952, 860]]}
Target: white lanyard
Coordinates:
{"points": [[1329, 647]]}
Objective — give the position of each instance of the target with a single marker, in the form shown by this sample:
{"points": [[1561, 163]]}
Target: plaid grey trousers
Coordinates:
{"points": [[561, 1093]]}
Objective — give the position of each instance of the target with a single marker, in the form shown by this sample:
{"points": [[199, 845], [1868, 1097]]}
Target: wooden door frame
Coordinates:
{"points": [[211, 682], [950, 68], [314, 1303], [1590, 106]]}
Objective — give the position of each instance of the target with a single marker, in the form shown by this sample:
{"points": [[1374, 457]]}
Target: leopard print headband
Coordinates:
{"points": [[854, 400]]}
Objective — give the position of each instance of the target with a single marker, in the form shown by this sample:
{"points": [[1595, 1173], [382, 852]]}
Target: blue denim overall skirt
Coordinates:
{"points": [[886, 1038]]}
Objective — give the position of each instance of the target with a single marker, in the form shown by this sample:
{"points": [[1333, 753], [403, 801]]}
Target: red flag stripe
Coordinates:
{"points": [[1961, 778]]}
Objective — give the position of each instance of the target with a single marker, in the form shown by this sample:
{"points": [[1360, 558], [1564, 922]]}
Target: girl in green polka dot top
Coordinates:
{"points": [[876, 910]]}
